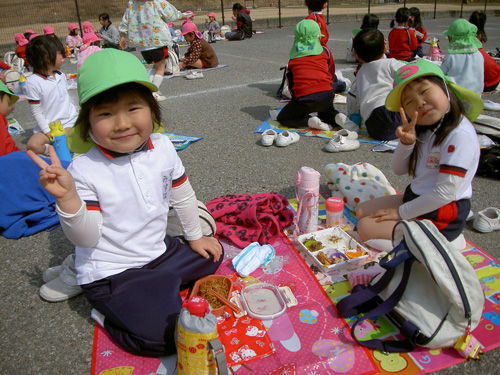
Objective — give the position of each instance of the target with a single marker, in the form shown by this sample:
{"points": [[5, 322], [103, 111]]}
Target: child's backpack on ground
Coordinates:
{"points": [[489, 162], [172, 61], [283, 90], [429, 290]]}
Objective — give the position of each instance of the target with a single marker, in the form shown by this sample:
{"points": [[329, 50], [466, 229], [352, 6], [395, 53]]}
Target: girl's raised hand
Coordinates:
{"points": [[57, 181], [406, 132]]}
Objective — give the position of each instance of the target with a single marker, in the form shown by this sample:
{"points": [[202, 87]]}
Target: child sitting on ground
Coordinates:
{"points": [[46, 91], [419, 30], [243, 24], [315, 13], [463, 63], [199, 54], [73, 40], [7, 100], [90, 45], [128, 268], [374, 82], [310, 72], [402, 40], [212, 27], [437, 147], [491, 68], [21, 42]]}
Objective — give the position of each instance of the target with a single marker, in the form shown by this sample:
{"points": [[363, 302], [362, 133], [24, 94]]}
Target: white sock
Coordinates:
{"points": [[152, 73], [459, 243], [381, 244], [98, 317], [316, 123], [157, 80], [344, 122]]}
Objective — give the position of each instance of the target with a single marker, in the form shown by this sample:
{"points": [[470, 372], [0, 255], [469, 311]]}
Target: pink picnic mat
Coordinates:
{"points": [[310, 338]]}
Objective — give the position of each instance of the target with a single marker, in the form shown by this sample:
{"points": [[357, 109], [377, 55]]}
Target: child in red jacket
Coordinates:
{"points": [[7, 100], [402, 40]]}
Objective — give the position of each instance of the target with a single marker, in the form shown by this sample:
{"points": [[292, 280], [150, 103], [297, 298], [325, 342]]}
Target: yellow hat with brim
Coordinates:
{"points": [[101, 71], [472, 103], [5, 89]]}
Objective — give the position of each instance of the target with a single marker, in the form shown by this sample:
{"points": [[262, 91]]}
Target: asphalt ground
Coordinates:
{"points": [[225, 107]]}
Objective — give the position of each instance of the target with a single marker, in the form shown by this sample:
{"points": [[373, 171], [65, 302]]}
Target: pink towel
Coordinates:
{"points": [[244, 218]]}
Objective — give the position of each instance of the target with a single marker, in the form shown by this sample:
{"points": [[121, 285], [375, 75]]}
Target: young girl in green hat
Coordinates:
{"points": [[113, 203], [438, 148]]}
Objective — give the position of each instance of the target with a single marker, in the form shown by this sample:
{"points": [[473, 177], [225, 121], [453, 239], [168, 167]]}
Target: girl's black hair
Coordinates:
{"points": [[370, 21], [41, 52], [73, 32], [402, 15], [417, 18], [315, 5], [369, 44], [237, 6], [478, 18], [450, 121], [112, 95]]}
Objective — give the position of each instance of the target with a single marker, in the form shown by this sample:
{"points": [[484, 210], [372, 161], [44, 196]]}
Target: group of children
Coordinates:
{"points": [[131, 271]]}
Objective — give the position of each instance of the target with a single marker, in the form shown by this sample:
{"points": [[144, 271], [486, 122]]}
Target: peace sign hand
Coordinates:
{"points": [[57, 181], [406, 132]]}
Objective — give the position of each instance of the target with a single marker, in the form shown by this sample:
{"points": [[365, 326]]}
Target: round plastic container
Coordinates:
{"points": [[334, 211], [263, 301]]}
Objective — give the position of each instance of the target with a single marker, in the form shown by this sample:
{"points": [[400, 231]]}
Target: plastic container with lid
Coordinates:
{"points": [[263, 301], [334, 211]]}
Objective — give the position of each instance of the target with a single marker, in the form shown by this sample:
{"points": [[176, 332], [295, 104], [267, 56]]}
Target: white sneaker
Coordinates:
{"points": [[315, 122], [487, 220], [159, 97], [340, 143], [347, 133], [491, 106], [268, 137], [62, 287], [53, 272], [194, 75], [286, 138], [343, 121]]}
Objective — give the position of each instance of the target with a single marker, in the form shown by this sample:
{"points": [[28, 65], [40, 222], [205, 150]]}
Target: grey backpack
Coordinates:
{"points": [[428, 290], [207, 222]]}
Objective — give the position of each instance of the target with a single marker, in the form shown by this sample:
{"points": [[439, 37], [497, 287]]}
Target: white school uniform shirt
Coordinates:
{"points": [[51, 93], [465, 69], [374, 82], [132, 192], [457, 155]]}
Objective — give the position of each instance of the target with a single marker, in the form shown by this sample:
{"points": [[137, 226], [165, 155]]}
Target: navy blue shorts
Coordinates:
{"points": [[141, 305], [155, 55], [449, 219], [382, 124]]}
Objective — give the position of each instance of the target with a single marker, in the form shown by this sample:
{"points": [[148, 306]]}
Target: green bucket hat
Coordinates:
{"points": [[463, 36], [473, 104], [101, 71], [306, 42], [5, 89]]}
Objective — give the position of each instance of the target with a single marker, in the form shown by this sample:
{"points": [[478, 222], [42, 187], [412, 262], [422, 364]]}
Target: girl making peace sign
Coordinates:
{"points": [[437, 147]]}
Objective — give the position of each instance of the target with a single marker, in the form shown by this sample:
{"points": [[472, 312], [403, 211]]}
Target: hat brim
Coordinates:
{"points": [[473, 104]]}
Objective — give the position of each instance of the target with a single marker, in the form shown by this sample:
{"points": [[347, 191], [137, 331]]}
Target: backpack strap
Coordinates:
{"points": [[364, 300]]}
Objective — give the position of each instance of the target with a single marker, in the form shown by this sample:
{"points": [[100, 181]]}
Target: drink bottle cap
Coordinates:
{"points": [[307, 177], [334, 204], [197, 306]]}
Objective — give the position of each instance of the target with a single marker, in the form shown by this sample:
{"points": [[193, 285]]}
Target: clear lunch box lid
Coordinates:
{"points": [[263, 301]]}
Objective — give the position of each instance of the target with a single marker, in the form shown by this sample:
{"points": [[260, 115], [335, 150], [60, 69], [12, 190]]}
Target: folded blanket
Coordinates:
{"points": [[244, 218], [26, 208]]}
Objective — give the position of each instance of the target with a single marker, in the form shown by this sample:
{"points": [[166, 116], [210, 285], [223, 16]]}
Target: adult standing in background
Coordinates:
{"points": [[108, 32]]}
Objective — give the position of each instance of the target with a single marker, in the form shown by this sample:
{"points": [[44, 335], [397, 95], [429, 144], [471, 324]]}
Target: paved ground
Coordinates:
{"points": [[225, 108]]}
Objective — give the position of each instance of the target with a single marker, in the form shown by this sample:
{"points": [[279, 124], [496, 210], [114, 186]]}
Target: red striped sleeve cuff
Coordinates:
{"points": [[93, 206], [450, 169], [179, 181]]}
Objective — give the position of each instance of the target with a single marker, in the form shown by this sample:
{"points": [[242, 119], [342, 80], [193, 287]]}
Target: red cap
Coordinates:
{"points": [[197, 306], [334, 204]]}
